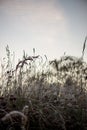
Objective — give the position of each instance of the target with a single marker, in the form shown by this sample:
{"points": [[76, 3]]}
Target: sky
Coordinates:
{"points": [[52, 27]]}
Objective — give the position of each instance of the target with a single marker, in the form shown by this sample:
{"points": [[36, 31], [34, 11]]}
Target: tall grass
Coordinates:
{"points": [[55, 91]]}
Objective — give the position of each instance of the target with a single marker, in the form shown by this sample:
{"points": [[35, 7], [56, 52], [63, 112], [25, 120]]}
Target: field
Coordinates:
{"points": [[55, 91]]}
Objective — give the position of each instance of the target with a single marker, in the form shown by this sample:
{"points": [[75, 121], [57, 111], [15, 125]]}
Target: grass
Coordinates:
{"points": [[55, 91]]}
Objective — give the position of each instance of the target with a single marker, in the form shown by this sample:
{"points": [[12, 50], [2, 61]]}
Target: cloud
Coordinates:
{"points": [[35, 14], [30, 8]]}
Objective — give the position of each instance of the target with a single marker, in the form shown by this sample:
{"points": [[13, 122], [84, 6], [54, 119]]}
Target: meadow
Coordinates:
{"points": [[55, 91]]}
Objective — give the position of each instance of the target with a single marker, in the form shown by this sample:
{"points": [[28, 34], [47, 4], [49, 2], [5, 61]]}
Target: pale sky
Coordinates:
{"points": [[52, 27]]}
